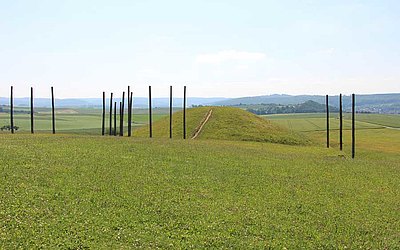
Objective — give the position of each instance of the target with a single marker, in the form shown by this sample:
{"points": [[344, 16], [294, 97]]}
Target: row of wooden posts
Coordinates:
{"points": [[113, 129], [353, 124], [53, 117], [130, 106], [121, 108]]}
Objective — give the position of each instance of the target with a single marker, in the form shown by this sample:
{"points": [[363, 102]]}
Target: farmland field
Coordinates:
{"points": [[83, 191], [77, 121]]}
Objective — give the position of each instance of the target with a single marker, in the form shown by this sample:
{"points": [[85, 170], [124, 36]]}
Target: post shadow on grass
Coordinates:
{"points": [[32, 129], [327, 121], [53, 111]]}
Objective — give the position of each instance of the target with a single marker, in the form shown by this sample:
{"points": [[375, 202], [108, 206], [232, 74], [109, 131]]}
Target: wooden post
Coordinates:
{"points": [[150, 115], [121, 132], [130, 114], [170, 112], [353, 127], [12, 110], [327, 121], [115, 118], [121, 125], [32, 130], [103, 122], [184, 112], [52, 111], [341, 122], [111, 104], [127, 106]]}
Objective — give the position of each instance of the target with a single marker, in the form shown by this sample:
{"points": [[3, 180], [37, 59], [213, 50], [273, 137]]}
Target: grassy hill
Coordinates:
{"points": [[225, 123]]}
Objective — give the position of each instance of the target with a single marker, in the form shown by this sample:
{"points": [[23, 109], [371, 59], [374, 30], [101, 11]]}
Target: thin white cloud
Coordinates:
{"points": [[229, 55]]}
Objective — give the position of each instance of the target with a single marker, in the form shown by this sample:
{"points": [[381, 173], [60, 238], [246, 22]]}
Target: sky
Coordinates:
{"points": [[217, 48]]}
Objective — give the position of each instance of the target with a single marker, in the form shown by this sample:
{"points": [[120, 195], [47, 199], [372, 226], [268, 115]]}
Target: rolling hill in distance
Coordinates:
{"points": [[140, 102], [374, 103]]}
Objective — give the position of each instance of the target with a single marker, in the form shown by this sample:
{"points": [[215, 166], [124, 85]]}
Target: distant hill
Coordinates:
{"points": [[377, 103], [225, 123], [139, 102], [306, 107]]}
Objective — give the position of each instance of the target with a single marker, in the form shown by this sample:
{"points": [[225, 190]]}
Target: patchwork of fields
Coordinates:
{"points": [[82, 191]]}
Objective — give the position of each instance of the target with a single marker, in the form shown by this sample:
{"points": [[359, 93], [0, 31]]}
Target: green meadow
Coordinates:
{"points": [[282, 189]]}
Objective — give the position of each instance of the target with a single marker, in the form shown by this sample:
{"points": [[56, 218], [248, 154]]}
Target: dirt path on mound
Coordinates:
{"points": [[198, 129]]}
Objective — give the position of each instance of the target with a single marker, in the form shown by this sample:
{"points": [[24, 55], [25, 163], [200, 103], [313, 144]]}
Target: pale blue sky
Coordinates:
{"points": [[217, 48]]}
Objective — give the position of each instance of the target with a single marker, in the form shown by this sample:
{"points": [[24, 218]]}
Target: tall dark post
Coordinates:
{"points": [[32, 130], [341, 122], [111, 104], [129, 102], [170, 111], [103, 122], [12, 110], [150, 115], [52, 111], [353, 126], [115, 118], [130, 114], [184, 112], [327, 121], [121, 125]]}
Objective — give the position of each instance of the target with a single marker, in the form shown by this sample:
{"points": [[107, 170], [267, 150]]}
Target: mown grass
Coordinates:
{"points": [[70, 191], [225, 123]]}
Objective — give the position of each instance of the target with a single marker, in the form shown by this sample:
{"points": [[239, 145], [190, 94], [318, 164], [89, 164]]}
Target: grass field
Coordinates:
{"points": [[80, 191], [77, 121]]}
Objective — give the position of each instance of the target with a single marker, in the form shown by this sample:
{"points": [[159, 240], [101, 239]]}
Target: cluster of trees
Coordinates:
{"points": [[306, 107]]}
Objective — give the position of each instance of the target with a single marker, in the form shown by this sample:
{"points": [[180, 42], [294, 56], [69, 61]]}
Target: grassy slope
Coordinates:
{"points": [[104, 192], [225, 123]]}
